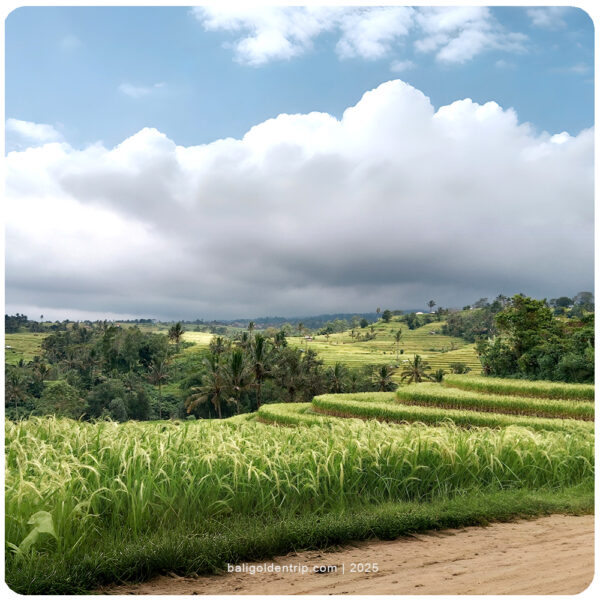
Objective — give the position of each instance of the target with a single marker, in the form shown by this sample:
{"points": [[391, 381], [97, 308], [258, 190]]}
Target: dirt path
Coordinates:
{"points": [[550, 555]]}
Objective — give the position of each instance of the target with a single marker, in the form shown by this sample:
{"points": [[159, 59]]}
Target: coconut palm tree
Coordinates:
{"points": [[159, 373], [213, 386], [415, 371], [397, 338], [15, 387], [259, 357], [383, 378], [337, 375], [238, 376], [176, 333], [219, 345]]}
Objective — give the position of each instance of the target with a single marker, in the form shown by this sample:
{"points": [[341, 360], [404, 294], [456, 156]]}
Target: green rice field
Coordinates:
{"points": [[521, 387], [24, 346], [89, 504], [438, 350]]}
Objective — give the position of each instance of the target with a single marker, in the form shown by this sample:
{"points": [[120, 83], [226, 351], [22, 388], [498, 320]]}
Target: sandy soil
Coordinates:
{"points": [[549, 555]]}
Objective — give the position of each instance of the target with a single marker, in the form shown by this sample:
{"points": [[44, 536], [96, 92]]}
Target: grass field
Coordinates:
{"points": [[23, 346]]}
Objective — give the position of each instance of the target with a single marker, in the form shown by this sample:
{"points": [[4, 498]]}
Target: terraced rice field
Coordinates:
{"points": [[427, 341], [22, 346], [438, 350], [89, 504], [521, 387]]}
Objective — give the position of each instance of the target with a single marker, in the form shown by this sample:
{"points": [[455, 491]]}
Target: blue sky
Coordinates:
{"points": [[64, 67], [226, 162]]}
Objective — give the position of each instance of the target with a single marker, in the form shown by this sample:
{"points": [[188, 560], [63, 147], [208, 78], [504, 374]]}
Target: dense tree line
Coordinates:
{"points": [[104, 370], [531, 341]]}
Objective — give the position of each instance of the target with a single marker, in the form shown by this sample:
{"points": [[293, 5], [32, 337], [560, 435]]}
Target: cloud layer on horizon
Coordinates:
{"points": [[391, 205]]}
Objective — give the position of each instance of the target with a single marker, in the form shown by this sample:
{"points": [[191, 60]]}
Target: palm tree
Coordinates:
{"points": [[176, 333], [354, 381], [383, 379], [244, 340], [290, 371], [251, 326], [159, 372], [218, 346], [279, 339], [15, 387], [416, 371], [212, 389], [238, 376], [259, 355], [397, 338], [431, 304], [336, 375]]}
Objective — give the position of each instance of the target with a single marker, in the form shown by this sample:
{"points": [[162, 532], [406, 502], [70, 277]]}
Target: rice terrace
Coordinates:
{"points": [[299, 300]]}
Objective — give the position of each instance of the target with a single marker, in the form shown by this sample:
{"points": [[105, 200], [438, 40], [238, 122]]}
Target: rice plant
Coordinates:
{"points": [[364, 406], [429, 394], [521, 387]]}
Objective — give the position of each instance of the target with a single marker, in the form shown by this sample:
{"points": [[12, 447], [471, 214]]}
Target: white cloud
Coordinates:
{"points": [[576, 69], [504, 64], [458, 34], [24, 134], [398, 66], [70, 42], [281, 33], [139, 91], [550, 17], [273, 33], [370, 33], [390, 205]]}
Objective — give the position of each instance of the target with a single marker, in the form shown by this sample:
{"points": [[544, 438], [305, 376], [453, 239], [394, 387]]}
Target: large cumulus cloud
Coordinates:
{"points": [[390, 205]]}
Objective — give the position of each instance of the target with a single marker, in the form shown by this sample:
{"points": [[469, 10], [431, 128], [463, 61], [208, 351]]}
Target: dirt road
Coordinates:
{"points": [[550, 555]]}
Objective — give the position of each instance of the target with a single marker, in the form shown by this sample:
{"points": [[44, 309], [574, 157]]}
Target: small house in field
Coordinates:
{"points": [[418, 313], [308, 338]]}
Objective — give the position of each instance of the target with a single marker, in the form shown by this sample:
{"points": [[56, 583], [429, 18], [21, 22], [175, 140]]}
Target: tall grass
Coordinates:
{"points": [[432, 394], [105, 477], [521, 387]]}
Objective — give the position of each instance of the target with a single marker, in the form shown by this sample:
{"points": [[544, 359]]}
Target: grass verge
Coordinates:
{"points": [[209, 546]]}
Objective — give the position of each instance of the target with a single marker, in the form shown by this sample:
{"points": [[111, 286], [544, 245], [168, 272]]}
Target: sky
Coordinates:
{"points": [[218, 162]]}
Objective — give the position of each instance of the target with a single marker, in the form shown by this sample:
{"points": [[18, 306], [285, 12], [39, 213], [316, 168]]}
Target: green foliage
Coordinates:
{"points": [[416, 371], [459, 368], [60, 398], [387, 315], [532, 343]]}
